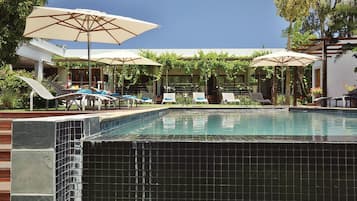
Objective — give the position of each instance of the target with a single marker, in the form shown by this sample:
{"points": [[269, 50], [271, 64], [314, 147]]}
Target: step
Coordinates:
{"points": [[4, 196], [4, 175], [5, 138], [5, 147], [5, 187], [5, 125], [5, 191], [5, 165], [5, 155]]}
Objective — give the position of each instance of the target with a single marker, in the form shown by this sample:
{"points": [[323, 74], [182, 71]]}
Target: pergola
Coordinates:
{"points": [[328, 47]]}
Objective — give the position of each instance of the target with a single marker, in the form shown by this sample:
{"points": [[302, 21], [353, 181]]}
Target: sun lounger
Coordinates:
{"points": [[320, 99], [345, 100], [169, 98], [102, 93], [70, 98], [256, 96], [229, 98], [199, 97]]}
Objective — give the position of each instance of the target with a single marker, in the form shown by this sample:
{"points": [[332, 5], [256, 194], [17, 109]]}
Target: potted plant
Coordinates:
{"points": [[351, 91], [316, 92]]}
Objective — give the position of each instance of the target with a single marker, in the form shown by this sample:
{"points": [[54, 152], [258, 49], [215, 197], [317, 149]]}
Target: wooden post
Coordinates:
{"points": [[274, 88], [295, 87], [324, 72], [287, 86]]}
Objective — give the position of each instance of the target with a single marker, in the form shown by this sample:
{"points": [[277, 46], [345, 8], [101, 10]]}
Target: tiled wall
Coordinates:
{"points": [[68, 160], [219, 171], [47, 157]]}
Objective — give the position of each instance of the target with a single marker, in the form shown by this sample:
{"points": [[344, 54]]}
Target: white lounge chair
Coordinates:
{"points": [[169, 98], [229, 98], [199, 97], [70, 98], [257, 96]]}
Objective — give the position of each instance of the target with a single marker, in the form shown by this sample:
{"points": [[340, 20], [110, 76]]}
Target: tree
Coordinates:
{"points": [[332, 18], [300, 37], [343, 21], [292, 10], [12, 23]]}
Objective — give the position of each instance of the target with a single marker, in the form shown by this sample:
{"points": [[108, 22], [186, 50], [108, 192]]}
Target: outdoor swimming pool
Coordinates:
{"points": [[239, 154], [247, 122]]}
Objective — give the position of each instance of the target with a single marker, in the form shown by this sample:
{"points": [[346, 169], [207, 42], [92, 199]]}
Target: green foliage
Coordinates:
{"points": [[12, 23], [300, 37], [129, 75], [332, 18], [13, 90], [8, 99], [343, 21], [292, 10], [246, 100], [206, 64]]}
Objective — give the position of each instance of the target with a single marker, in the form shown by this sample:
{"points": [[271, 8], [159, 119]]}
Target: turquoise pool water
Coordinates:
{"points": [[243, 123]]}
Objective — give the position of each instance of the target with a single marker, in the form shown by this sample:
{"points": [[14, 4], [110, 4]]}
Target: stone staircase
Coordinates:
{"points": [[5, 158]]}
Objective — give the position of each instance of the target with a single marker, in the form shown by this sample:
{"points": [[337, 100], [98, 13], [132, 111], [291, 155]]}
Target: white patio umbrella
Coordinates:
{"points": [[83, 25], [283, 58], [122, 57]]}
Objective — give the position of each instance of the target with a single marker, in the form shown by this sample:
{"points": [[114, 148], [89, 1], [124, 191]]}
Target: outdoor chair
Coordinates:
{"points": [[257, 96], [146, 97], [199, 97], [131, 100], [229, 98], [69, 99], [169, 98], [320, 100], [107, 97]]}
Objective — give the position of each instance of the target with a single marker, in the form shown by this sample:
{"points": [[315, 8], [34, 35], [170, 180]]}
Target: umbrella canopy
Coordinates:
{"points": [[284, 58], [75, 24], [83, 25], [123, 58]]}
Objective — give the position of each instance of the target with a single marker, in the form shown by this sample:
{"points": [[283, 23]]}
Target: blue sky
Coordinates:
{"points": [[192, 23]]}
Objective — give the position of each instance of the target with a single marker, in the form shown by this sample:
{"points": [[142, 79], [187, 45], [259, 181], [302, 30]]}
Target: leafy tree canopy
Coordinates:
{"points": [[12, 22]]}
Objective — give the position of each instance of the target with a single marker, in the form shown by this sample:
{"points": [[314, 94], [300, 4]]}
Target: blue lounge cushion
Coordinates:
{"points": [[103, 92], [115, 94], [85, 91]]}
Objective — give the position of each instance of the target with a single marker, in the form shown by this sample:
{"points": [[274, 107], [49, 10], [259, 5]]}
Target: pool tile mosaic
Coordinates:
{"points": [[198, 171], [68, 160]]}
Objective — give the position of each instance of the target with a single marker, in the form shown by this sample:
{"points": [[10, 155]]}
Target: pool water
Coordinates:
{"points": [[243, 123]]}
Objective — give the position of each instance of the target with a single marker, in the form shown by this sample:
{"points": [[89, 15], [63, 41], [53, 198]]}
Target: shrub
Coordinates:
{"points": [[8, 99], [13, 88]]}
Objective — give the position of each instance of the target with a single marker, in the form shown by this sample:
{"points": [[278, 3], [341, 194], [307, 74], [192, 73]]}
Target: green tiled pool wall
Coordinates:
{"points": [[199, 171], [68, 165]]}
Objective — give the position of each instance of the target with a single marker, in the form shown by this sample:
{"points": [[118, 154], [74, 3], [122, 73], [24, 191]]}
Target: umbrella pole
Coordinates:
{"points": [[167, 80], [123, 78], [114, 70], [89, 67], [295, 87], [274, 89]]}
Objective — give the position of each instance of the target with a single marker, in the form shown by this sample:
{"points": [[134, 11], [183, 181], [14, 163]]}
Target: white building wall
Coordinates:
{"points": [[340, 71]]}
